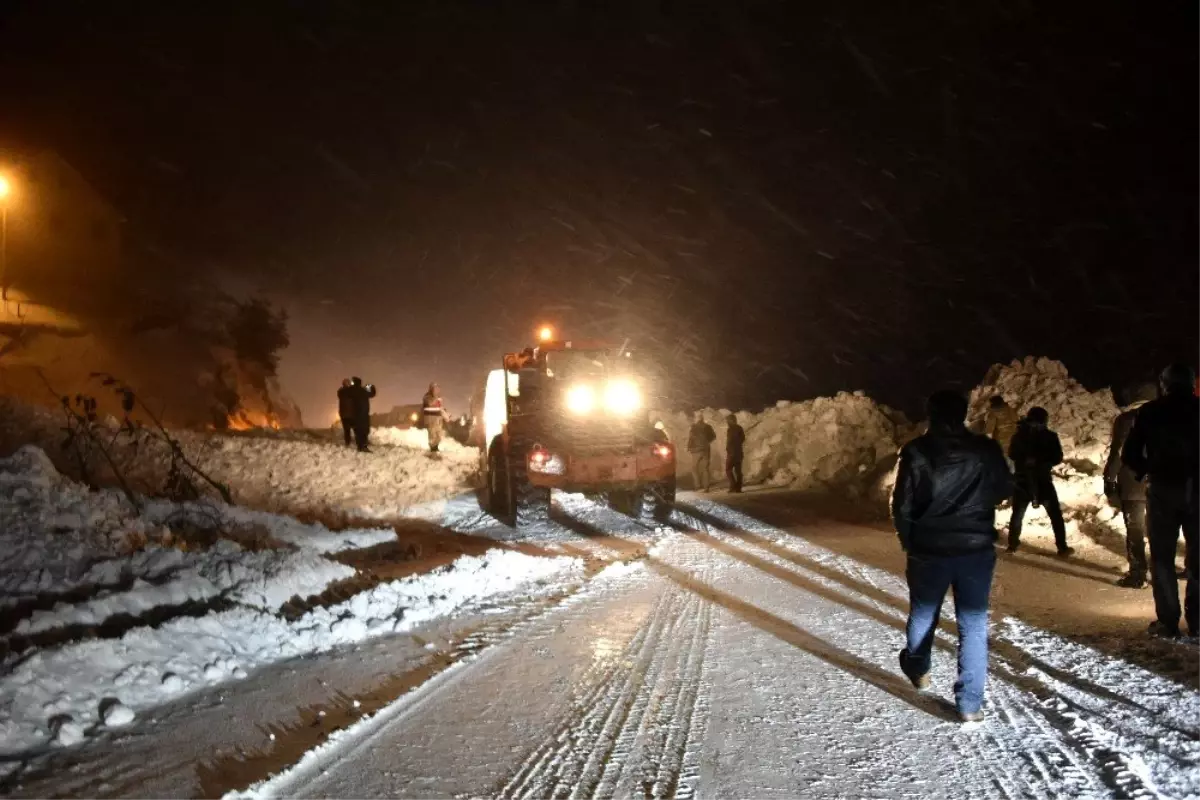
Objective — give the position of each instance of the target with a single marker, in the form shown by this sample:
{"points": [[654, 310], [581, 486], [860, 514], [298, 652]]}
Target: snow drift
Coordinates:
{"points": [[292, 472], [839, 443], [73, 559]]}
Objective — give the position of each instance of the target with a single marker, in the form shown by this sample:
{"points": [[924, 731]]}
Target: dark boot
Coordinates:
{"points": [[1133, 580]]}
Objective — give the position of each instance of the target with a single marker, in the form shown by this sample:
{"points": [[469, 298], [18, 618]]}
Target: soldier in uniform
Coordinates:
{"points": [[434, 412]]}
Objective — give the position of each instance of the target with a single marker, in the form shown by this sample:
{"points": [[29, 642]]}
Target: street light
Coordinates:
{"points": [[5, 190]]}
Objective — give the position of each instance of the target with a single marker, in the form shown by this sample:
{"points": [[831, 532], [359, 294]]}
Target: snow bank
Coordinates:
{"points": [[150, 666], [836, 443], [58, 537], [414, 439], [1082, 419], [292, 472]]}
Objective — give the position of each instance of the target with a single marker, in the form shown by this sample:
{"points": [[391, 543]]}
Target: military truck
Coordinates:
{"points": [[571, 415]]}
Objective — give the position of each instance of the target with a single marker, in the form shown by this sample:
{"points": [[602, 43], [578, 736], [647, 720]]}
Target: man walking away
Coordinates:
{"points": [[1002, 421], [346, 410], [1164, 446], [735, 442], [699, 445], [435, 416], [1035, 450], [944, 508], [1125, 492], [360, 400]]}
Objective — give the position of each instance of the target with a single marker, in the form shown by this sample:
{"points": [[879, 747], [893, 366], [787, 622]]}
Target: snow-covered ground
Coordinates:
{"points": [[735, 658], [106, 609]]}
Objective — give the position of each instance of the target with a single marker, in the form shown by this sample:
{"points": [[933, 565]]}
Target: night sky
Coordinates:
{"points": [[781, 199]]}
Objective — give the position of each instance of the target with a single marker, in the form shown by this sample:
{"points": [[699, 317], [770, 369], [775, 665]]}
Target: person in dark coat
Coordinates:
{"points": [[346, 410], [944, 508], [735, 442], [1002, 421], [699, 446], [1035, 450], [360, 402], [1125, 492], [1164, 447]]}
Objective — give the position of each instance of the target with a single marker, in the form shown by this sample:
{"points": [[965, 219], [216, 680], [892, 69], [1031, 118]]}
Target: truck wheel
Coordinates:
{"points": [[498, 503], [530, 504], [659, 499]]}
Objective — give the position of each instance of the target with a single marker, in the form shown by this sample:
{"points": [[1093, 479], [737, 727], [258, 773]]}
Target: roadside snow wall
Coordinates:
{"points": [[292, 472], [839, 444]]}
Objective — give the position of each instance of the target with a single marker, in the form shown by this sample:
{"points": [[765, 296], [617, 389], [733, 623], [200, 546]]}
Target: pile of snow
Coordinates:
{"points": [[281, 472], [1082, 419], [76, 684], [836, 443], [414, 439], [57, 537]]}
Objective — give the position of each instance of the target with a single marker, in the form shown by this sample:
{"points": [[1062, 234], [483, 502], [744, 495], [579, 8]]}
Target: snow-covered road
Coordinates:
{"points": [[734, 659]]}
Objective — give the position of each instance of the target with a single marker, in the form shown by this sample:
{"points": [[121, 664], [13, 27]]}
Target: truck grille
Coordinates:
{"points": [[594, 436]]}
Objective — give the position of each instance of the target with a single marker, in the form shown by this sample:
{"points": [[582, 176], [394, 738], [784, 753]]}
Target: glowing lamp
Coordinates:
{"points": [[622, 397], [545, 333], [580, 399]]}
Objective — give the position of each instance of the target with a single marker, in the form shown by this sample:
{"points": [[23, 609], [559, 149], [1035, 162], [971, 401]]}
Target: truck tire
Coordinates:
{"points": [[499, 503], [530, 504], [659, 499]]}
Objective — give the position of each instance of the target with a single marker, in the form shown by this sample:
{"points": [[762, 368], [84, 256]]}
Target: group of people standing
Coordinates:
{"points": [[699, 446], [354, 409], [951, 480]]}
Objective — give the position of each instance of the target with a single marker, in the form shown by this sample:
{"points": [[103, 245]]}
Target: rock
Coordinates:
{"points": [[66, 733], [117, 715]]}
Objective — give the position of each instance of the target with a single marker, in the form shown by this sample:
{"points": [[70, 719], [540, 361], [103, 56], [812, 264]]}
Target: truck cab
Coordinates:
{"points": [[571, 415]]}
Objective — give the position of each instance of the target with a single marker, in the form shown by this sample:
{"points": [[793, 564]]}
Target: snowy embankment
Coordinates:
{"points": [[280, 471], [107, 613], [836, 443], [848, 444]]}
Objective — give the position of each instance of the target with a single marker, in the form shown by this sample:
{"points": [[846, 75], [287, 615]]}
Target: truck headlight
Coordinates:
{"points": [[580, 399], [622, 397]]}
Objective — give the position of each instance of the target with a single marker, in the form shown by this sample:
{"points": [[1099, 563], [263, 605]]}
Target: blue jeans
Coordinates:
{"points": [[929, 576]]}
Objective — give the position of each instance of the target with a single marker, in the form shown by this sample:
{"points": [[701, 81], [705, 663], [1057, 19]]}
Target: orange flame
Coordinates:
{"points": [[243, 420]]}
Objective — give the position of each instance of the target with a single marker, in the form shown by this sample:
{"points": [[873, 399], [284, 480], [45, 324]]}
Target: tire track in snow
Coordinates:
{"points": [[644, 710], [543, 770], [1070, 738]]}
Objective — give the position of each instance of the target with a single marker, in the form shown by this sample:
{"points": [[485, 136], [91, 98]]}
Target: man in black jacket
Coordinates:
{"points": [[735, 443], [360, 402], [944, 508], [346, 410], [1035, 450], [1164, 446]]}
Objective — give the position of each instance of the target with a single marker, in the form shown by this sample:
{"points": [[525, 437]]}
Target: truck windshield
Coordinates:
{"points": [[577, 364]]}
